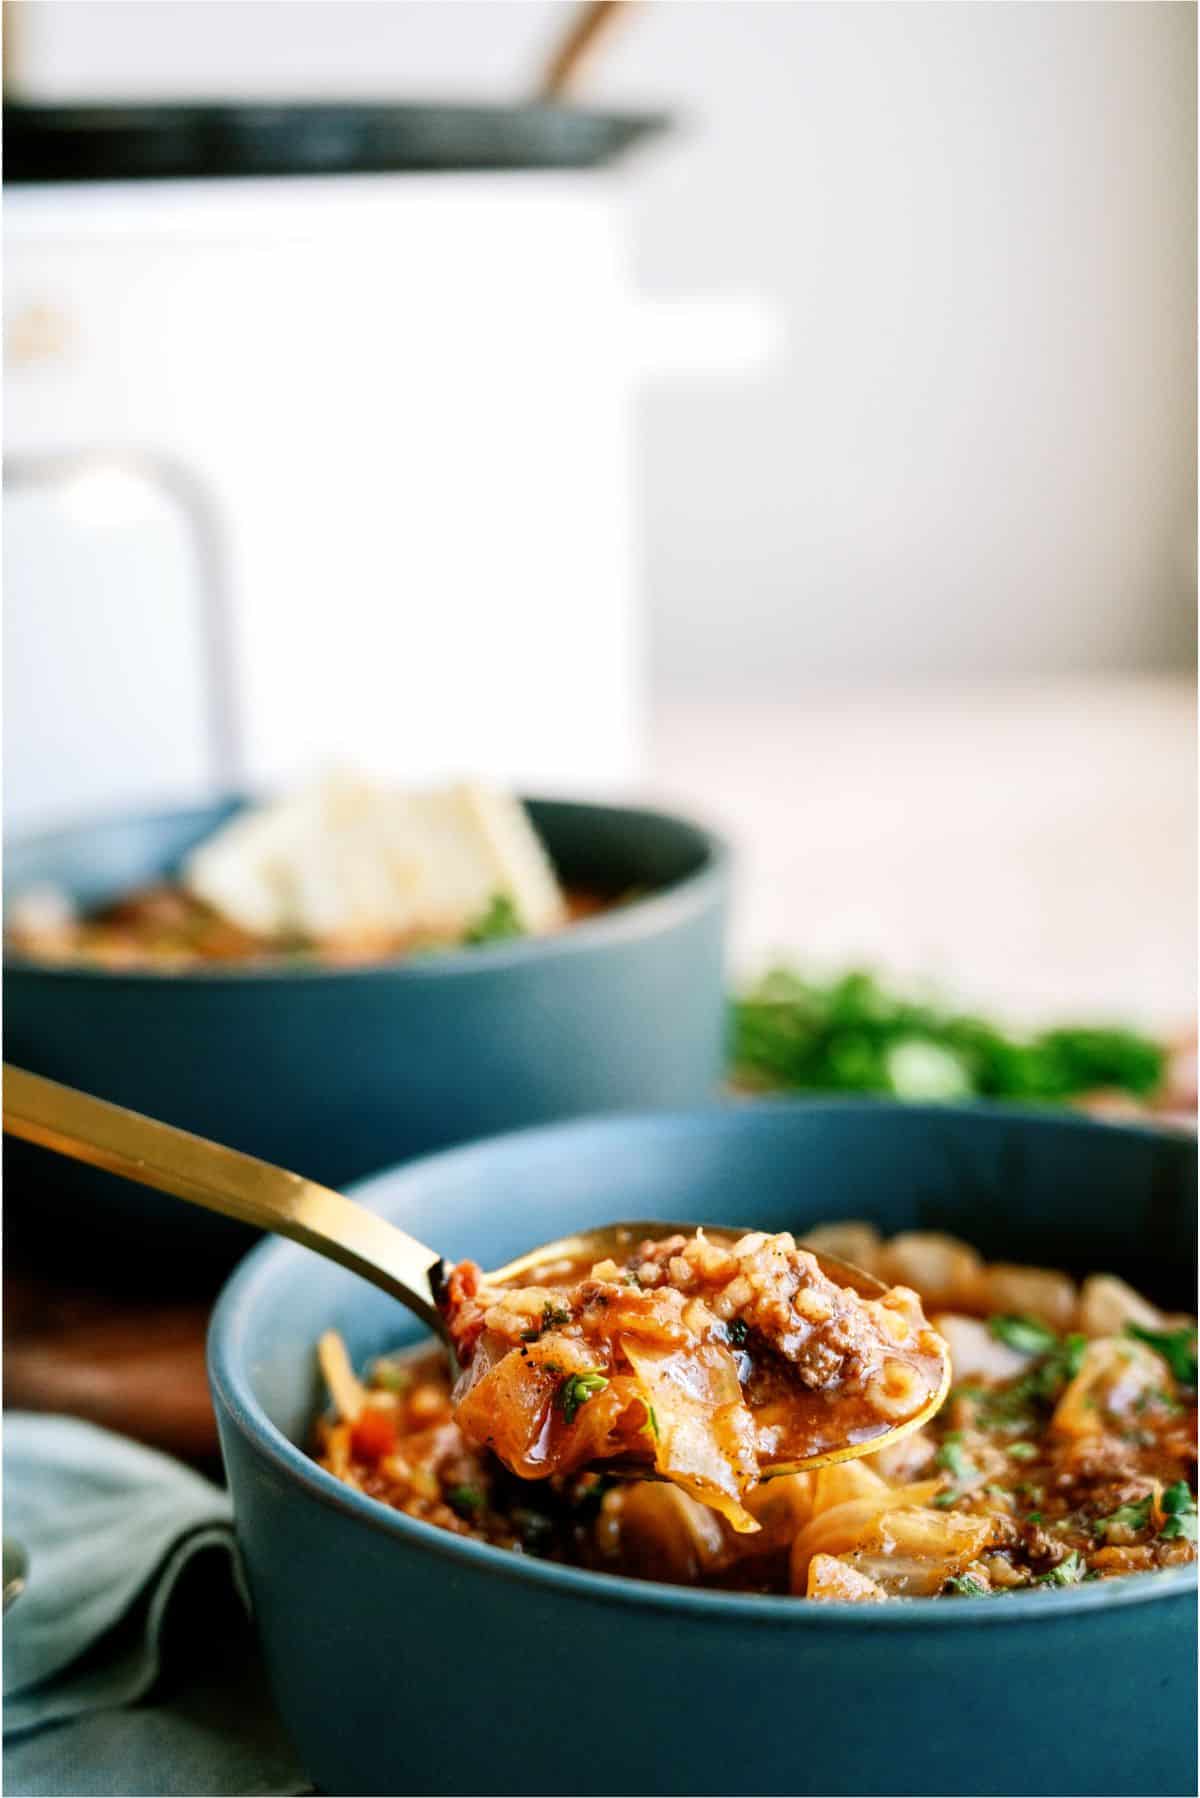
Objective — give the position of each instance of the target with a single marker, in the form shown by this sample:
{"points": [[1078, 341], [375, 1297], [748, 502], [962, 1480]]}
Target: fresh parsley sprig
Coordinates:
{"points": [[1177, 1348], [950, 1456], [1068, 1572], [1179, 1505], [1024, 1334], [552, 1317], [966, 1585], [467, 1500], [500, 921], [854, 1034], [576, 1390], [1134, 1516], [1022, 1399]]}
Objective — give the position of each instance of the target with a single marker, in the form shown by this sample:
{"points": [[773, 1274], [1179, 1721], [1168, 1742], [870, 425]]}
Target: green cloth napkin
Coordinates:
{"points": [[130, 1665]]}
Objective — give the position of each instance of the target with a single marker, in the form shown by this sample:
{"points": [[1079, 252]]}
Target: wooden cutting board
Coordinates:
{"points": [[132, 1364]]}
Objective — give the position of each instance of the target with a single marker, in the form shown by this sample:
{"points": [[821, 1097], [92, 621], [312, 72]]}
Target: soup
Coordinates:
{"points": [[167, 928], [1064, 1452], [340, 874]]}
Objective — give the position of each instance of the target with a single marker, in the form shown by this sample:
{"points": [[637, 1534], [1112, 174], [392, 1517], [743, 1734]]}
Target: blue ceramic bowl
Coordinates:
{"points": [[335, 1072], [407, 1660]]}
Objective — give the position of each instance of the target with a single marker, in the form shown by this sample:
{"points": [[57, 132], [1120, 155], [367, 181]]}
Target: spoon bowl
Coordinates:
{"points": [[615, 1241], [240, 1186]]}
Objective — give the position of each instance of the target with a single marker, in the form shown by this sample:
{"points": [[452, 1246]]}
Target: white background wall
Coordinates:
{"points": [[977, 455]]}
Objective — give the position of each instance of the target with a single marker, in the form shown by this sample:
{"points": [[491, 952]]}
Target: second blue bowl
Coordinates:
{"points": [[335, 1072]]}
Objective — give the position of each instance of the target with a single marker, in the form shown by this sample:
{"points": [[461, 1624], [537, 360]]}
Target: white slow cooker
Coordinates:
{"points": [[313, 469]]}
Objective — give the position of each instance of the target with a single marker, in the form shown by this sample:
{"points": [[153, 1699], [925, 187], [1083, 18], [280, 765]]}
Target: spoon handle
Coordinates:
{"points": [[239, 1186]]}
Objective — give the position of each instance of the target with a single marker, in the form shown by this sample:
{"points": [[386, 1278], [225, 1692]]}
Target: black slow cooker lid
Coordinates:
{"points": [[142, 143]]}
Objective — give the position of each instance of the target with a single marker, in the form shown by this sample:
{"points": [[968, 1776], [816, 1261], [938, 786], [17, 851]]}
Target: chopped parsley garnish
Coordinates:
{"points": [[1024, 1334], [1069, 1572], [651, 1424], [1133, 1516], [1045, 1381], [466, 1500], [854, 1034], [951, 1457], [1180, 1507], [1033, 1517], [391, 1376], [737, 1331], [1023, 1451], [1016, 1405], [1177, 1348], [500, 921], [966, 1585], [552, 1317], [577, 1389]]}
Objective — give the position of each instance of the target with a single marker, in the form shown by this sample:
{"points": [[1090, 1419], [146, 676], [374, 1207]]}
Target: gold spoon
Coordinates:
{"points": [[254, 1192]]}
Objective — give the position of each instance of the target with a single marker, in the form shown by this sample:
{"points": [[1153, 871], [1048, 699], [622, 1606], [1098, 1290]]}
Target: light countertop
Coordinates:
{"points": [[1032, 849]]}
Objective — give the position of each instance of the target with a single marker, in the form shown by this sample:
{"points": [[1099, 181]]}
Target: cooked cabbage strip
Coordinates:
{"points": [[843, 1526], [347, 1391], [911, 1552], [706, 1359], [1116, 1373], [702, 1431], [829, 1577]]}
